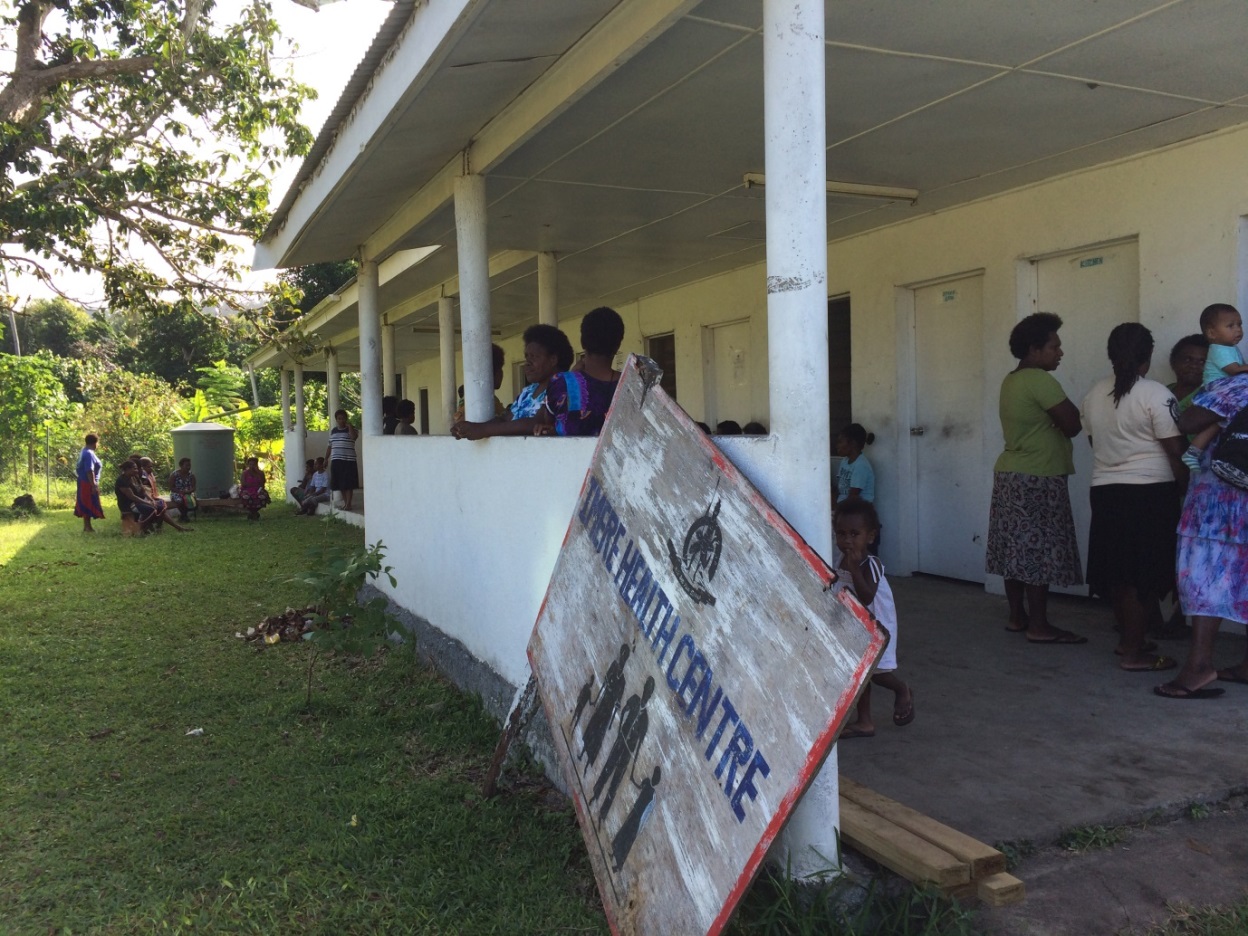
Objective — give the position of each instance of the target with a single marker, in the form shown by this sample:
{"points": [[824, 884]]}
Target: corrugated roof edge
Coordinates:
{"points": [[355, 91]]}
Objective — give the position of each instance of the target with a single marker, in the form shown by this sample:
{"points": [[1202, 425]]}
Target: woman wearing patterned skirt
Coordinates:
{"points": [[1031, 532], [1213, 551], [87, 504]]}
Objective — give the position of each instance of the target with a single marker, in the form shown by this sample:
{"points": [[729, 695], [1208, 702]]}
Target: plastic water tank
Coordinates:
{"points": [[210, 447]]}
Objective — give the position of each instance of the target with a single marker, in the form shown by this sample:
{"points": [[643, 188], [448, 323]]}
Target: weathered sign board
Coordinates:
{"points": [[695, 665]]}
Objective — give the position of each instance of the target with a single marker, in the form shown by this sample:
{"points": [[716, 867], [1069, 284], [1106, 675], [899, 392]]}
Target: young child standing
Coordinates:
{"points": [[1223, 326], [855, 477], [856, 527]]}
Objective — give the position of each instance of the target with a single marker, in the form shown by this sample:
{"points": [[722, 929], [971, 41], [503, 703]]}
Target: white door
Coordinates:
{"points": [[731, 392], [1092, 291], [947, 434]]}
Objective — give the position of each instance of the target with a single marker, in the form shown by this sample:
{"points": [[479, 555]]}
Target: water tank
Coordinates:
{"points": [[210, 447]]}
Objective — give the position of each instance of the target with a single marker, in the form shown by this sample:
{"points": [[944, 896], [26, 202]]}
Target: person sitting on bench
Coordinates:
{"points": [[317, 491], [182, 486], [132, 498]]}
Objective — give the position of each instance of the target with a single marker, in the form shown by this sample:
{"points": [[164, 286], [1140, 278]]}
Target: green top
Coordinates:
{"points": [[1033, 443]]}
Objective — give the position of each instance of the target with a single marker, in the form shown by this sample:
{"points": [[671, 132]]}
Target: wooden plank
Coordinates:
{"points": [[999, 890], [914, 858], [983, 859], [965, 894], [694, 663]]}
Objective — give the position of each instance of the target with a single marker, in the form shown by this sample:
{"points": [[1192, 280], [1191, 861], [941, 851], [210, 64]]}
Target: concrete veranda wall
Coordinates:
{"points": [[473, 530]]}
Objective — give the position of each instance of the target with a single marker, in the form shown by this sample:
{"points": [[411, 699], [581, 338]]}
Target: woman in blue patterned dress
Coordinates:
{"points": [[87, 504], [1213, 551], [577, 401], [547, 351]]}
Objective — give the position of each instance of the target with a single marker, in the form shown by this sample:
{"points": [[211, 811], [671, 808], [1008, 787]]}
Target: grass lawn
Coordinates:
{"points": [[360, 814]]}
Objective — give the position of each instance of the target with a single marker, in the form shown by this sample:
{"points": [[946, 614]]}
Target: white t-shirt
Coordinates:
{"points": [[1125, 449]]}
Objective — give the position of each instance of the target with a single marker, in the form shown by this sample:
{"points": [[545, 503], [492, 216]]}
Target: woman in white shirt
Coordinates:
{"points": [[1130, 421]]}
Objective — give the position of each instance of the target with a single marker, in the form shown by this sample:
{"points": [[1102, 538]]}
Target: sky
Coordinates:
{"points": [[331, 41]]}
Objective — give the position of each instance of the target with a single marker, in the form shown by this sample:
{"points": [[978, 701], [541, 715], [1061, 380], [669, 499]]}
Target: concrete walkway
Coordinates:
{"points": [[1016, 741]]}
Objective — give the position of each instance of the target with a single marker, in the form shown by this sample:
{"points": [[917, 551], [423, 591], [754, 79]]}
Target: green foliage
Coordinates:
{"points": [[1198, 811], [133, 413], [315, 281], [140, 128], [258, 431], [341, 624], [1089, 837], [174, 342], [32, 404], [53, 325], [222, 385], [1205, 921], [777, 905]]}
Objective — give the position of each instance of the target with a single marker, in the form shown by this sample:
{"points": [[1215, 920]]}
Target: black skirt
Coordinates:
{"points": [[1133, 540], [343, 475]]}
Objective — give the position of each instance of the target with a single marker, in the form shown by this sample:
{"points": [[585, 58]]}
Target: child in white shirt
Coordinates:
{"points": [[856, 526]]}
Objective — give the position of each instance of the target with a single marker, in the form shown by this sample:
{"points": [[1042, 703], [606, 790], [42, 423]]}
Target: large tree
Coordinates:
{"points": [[137, 140]]}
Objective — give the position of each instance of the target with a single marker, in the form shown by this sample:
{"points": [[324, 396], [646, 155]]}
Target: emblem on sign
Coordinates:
{"points": [[696, 564]]}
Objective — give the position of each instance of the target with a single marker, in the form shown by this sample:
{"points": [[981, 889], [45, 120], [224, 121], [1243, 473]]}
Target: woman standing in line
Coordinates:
{"points": [[1136, 447], [344, 473], [87, 504], [1031, 531], [1213, 552]]}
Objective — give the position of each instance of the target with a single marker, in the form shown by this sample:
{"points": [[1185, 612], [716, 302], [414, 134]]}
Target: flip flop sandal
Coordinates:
{"points": [[1011, 629], [1175, 691], [907, 716], [855, 733], [1064, 637], [1156, 666]]}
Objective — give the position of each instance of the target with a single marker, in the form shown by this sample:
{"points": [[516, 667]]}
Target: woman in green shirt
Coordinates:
{"points": [[1031, 532]]}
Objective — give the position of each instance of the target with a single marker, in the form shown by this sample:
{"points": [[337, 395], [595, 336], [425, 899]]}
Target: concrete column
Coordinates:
{"points": [[797, 336], [370, 348], [387, 360], [474, 297], [547, 289], [446, 349], [285, 400], [296, 450], [331, 384], [301, 423]]}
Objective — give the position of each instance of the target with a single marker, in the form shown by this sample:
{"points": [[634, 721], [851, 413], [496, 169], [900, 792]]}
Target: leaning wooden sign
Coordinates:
{"points": [[694, 663]]}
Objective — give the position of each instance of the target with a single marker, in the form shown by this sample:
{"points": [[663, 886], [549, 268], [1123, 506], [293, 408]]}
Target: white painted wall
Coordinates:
{"points": [[473, 530]]}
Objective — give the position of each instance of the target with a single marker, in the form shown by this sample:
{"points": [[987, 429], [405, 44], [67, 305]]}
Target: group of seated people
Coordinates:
{"points": [[313, 489], [138, 497]]}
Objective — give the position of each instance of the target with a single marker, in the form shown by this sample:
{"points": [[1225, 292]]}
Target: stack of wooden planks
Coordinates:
{"points": [[923, 850]]}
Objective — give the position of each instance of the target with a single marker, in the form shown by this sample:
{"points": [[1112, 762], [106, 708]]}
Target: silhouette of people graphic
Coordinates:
{"points": [[634, 720], [604, 707], [622, 844], [582, 700]]}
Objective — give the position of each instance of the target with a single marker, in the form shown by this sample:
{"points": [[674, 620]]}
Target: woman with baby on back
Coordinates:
{"points": [[1224, 328]]}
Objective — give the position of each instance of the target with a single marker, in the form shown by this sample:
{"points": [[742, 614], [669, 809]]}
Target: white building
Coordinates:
{"points": [[497, 162]]}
